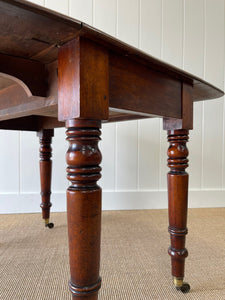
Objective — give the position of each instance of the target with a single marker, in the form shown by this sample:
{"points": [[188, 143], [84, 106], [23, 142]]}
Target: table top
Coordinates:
{"points": [[34, 33]]}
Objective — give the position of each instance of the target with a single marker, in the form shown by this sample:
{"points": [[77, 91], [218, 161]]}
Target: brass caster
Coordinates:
{"points": [[184, 287], [47, 224]]}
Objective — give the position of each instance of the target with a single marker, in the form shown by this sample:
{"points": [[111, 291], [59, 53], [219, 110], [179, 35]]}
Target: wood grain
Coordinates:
{"points": [[31, 73], [36, 33], [33, 32], [186, 120], [84, 207], [45, 163], [83, 81], [178, 198], [135, 87]]}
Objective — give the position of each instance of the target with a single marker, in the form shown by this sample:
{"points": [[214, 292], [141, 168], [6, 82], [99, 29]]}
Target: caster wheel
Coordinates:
{"points": [[185, 288], [49, 225]]}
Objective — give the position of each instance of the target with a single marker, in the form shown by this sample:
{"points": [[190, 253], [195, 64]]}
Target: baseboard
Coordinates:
{"points": [[112, 200]]}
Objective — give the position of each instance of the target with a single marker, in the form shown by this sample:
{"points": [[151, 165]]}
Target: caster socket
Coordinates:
{"points": [[49, 225], [185, 288]]}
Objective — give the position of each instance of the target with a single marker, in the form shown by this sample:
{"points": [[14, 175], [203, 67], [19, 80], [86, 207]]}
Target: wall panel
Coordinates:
{"points": [[9, 161], [213, 110], [58, 5], [172, 52], [151, 26], [188, 34], [126, 163], [105, 18], [81, 10], [194, 53], [128, 21], [105, 15], [59, 148], [173, 25], [150, 40], [148, 154], [39, 2], [108, 149], [126, 156], [29, 162]]}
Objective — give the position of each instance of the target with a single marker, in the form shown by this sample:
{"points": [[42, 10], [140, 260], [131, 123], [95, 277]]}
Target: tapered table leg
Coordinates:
{"points": [[45, 139], [178, 200], [84, 207]]}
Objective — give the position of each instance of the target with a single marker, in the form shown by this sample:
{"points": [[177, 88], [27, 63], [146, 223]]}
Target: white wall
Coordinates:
{"points": [[188, 34]]}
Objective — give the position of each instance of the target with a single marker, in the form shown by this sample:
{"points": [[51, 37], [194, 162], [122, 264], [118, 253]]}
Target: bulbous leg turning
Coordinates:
{"points": [[84, 207], [177, 179]]}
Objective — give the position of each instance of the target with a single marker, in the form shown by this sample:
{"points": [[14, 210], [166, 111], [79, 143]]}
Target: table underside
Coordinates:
{"points": [[31, 37]]}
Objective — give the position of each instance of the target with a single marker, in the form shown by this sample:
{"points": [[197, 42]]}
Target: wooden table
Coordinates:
{"points": [[56, 70]]}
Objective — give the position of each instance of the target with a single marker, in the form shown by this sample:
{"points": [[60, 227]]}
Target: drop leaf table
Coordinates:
{"points": [[56, 71]]}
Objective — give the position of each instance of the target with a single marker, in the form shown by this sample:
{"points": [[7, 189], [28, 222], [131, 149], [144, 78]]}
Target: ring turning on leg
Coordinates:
{"points": [[177, 179], [84, 207], [45, 139]]}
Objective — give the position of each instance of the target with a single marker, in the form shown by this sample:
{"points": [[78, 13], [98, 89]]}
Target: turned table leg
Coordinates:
{"points": [[45, 139], [178, 199], [84, 207]]}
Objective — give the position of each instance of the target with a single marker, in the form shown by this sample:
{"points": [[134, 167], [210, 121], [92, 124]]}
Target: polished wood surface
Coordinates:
{"points": [[178, 198], [47, 34], [84, 207], [55, 70], [47, 30], [45, 139], [75, 82]]}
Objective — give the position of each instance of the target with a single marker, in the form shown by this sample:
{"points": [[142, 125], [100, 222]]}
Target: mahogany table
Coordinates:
{"points": [[58, 71]]}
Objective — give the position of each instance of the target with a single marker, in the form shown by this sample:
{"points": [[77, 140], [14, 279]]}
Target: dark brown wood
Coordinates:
{"points": [[186, 120], [36, 33], [178, 198], [84, 207], [29, 123], [45, 139], [98, 78], [201, 88], [32, 106], [135, 87], [36, 123], [22, 69], [83, 81]]}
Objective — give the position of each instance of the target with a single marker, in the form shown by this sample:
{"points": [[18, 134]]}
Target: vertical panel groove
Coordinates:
{"points": [[89, 10], [115, 172], [19, 156], [139, 23], [184, 19], [117, 8], [116, 135], [223, 149], [203, 108], [222, 175], [160, 125], [214, 73], [93, 12], [138, 124], [162, 34], [138, 156]]}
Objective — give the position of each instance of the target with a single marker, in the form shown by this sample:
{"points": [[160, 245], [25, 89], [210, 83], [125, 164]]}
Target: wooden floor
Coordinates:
{"points": [[135, 264]]}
